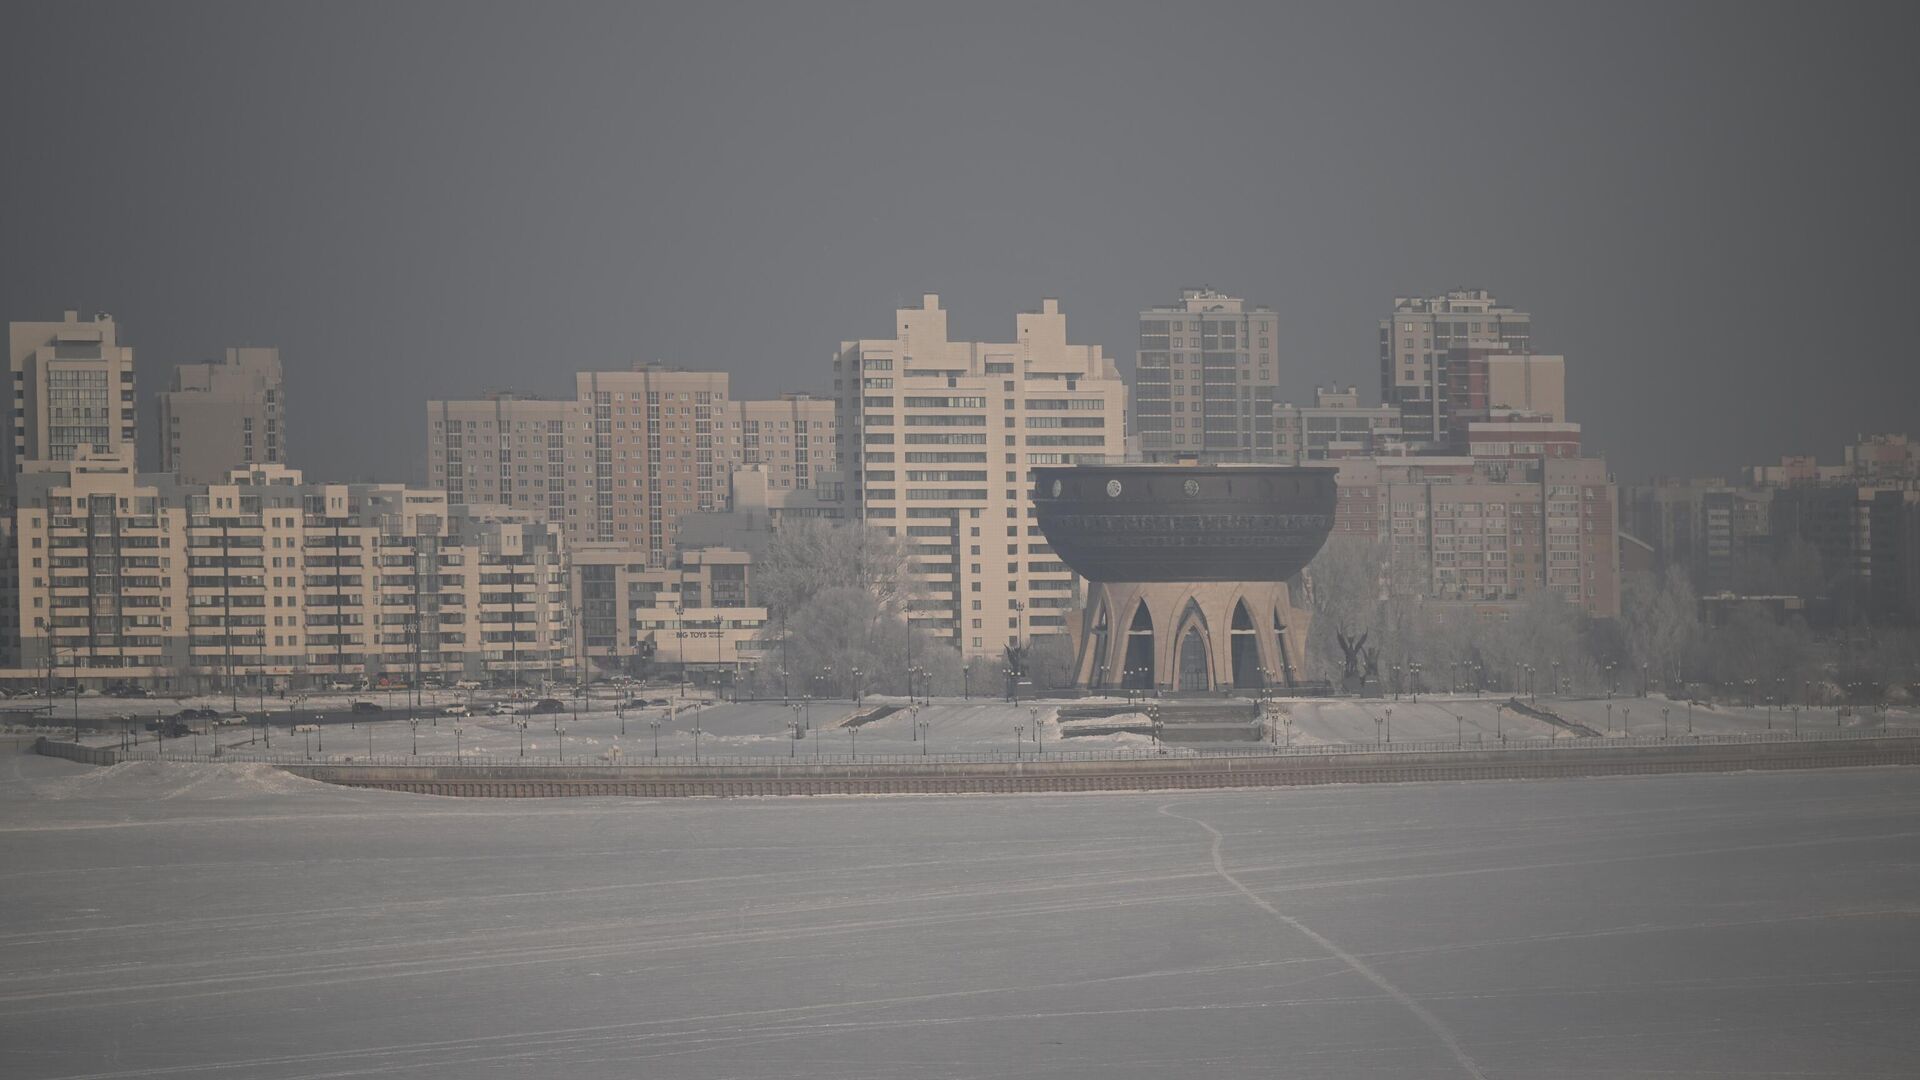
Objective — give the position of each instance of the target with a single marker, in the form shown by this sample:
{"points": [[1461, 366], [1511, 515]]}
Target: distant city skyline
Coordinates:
{"points": [[1708, 234]]}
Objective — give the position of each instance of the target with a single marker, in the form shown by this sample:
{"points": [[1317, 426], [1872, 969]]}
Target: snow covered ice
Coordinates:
{"points": [[231, 921]]}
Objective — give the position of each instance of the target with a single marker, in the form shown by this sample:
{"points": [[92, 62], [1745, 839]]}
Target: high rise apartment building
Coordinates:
{"points": [[1205, 378], [221, 415], [526, 453], [937, 437], [1455, 529], [267, 581], [1415, 344], [72, 387], [630, 454]]}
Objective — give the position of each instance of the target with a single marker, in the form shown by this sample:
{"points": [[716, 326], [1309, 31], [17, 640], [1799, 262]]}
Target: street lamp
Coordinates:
{"points": [[1389, 725], [655, 725], [415, 724], [793, 744], [457, 730], [1019, 732], [680, 642], [696, 739], [924, 726], [1034, 715], [1665, 729], [859, 691], [1377, 722]]}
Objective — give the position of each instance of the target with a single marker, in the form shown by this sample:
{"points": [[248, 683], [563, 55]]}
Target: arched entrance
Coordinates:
{"points": [[1192, 661], [1138, 674], [1245, 650]]}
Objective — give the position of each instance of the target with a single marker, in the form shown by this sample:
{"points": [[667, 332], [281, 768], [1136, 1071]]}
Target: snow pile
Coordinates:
{"points": [[148, 780]]}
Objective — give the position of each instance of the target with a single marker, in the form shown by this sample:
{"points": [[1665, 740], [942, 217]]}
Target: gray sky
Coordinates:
{"points": [[1709, 208]]}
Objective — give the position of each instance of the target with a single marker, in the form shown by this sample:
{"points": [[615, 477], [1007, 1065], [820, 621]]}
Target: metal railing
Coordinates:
{"points": [[1164, 753]]}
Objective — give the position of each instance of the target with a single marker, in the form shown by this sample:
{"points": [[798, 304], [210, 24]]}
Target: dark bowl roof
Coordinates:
{"points": [[1185, 522]]}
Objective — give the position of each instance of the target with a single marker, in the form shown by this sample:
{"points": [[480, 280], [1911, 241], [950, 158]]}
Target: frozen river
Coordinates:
{"points": [[176, 921]]}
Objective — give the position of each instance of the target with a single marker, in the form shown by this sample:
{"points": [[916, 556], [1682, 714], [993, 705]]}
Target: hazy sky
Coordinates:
{"points": [[1709, 208]]}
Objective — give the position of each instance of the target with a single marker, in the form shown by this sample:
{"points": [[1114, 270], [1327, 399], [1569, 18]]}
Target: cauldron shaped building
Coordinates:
{"points": [[1194, 570]]}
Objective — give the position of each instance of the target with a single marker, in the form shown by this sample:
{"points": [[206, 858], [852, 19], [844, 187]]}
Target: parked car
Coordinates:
{"points": [[544, 707], [365, 707], [456, 710], [467, 684], [197, 713]]}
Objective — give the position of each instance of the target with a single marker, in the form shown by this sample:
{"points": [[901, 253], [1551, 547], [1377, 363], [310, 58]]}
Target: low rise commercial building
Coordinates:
{"points": [[1335, 426]]}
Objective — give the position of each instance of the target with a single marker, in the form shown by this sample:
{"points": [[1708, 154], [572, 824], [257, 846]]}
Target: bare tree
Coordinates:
{"points": [[1662, 620], [811, 555]]}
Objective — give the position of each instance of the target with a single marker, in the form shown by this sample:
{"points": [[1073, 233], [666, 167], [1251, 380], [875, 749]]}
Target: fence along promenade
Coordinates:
{"points": [[1059, 770]]}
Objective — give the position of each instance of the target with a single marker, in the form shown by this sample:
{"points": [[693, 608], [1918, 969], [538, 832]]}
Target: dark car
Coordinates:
{"points": [[546, 706], [365, 707], [197, 713]]}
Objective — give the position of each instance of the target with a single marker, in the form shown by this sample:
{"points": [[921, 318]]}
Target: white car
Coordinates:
{"points": [[456, 710]]}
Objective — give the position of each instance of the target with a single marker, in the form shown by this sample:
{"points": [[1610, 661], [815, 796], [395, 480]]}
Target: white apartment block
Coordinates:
{"points": [[1206, 377], [937, 437], [265, 581], [72, 387]]}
